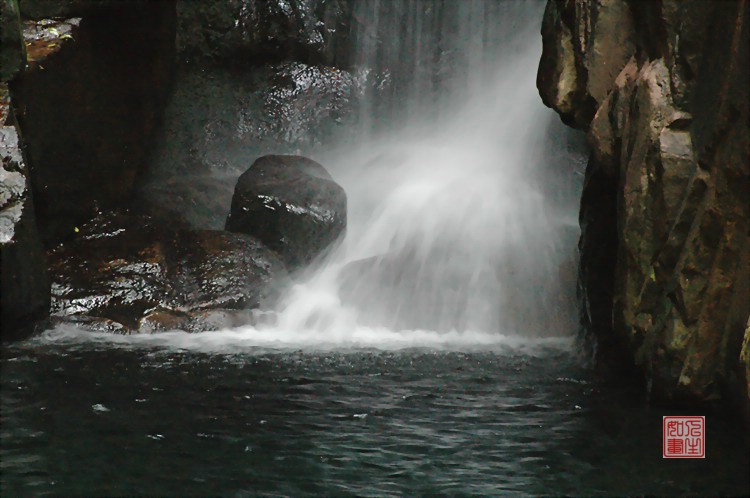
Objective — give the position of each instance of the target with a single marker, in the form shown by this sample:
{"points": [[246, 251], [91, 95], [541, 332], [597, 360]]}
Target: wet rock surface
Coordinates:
{"points": [[585, 45], [125, 273], [23, 282], [242, 31], [46, 37], [292, 205], [668, 185], [220, 121]]}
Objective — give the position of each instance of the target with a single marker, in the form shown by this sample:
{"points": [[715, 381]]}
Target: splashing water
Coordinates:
{"points": [[449, 231], [453, 241]]}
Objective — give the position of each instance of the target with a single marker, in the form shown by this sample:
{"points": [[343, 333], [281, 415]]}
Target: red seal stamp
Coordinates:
{"points": [[684, 437]]}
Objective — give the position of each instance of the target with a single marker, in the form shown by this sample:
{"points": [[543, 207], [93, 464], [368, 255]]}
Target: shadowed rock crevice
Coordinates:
{"points": [[89, 105]]}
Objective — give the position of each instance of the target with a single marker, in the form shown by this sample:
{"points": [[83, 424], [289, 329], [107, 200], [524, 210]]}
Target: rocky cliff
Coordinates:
{"points": [[662, 88], [89, 102], [84, 84], [24, 282]]}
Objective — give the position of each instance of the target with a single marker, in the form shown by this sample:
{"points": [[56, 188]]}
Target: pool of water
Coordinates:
{"points": [[101, 418]]}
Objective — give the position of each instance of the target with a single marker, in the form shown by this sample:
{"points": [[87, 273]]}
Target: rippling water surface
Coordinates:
{"points": [[506, 417]]}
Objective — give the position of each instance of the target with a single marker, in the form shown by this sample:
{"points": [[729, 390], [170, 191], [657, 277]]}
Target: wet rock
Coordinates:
{"points": [[292, 205], [585, 45], [744, 367], [238, 32], [45, 38], [24, 281], [12, 48], [667, 190], [125, 273], [296, 100], [89, 105]]}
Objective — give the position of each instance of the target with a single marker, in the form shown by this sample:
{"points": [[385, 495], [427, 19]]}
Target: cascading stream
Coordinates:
{"points": [[450, 237], [459, 235]]}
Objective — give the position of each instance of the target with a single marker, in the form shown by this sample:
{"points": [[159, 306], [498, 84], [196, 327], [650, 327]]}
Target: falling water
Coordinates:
{"points": [[450, 237], [455, 235]]}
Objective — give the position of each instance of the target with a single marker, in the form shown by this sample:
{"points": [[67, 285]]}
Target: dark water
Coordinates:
{"points": [[99, 420]]}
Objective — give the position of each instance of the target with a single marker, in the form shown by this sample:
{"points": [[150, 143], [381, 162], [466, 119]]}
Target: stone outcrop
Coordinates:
{"points": [[586, 44], [89, 103], [82, 96], [248, 31], [662, 89], [125, 273], [292, 205], [24, 284]]}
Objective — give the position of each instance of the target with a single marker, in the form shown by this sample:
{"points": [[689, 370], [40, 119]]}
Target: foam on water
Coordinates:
{"points": [[269, 340]]}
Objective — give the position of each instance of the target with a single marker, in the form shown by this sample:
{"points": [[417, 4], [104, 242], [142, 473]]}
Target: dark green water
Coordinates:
{"points": [[96, 419]]}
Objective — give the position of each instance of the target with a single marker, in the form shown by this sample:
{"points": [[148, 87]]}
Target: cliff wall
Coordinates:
{"points": [[662, 89]]}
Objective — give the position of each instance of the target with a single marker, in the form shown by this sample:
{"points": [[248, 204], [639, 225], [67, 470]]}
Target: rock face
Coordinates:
{"points": [[89, 103], [123, 273], [292, 205], [248, 30], [586, 44], [24, 283], [12, 47], [662, 89]]}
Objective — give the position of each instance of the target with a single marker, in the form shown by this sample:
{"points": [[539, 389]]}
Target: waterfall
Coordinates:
{"points": [[451, 236], [461, 187]]}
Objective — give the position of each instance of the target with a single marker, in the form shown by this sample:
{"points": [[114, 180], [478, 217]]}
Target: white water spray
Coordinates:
{"points": [[450, 239], [452, 243]]}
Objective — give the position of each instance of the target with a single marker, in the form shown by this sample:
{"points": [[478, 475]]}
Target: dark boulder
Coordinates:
{"points": [[292, 205], [218, 121], [124, 273]]}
